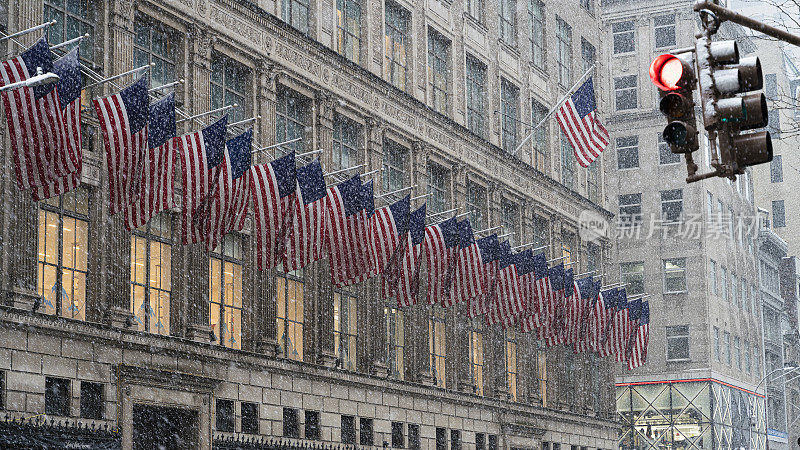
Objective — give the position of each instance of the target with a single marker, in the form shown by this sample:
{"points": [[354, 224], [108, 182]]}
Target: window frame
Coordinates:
{"points": [[477, 204], [225, 422], [437, 348], [627, 276], [59, 32], [512, 368], [678, 270], [394, 320], [509, 114], [345, 338], [88, 404], [540, 136], [568, 168], [778, 205], [537, 21], [626, 146], [476, 359], [564, 52], [292, 284], [669, 203], [439, 67], [396, 32], [146, 234], [396, 165], [477, 117], [290, 126], [439, 188], [683, 335], [630, 220], [657, 27], [347, 142], [225, 259], [289, 15], [664, 149], [170, 38], [63, 406], [615, 34], [219, 85], [346, 37], [621, 94], [508, 22]]}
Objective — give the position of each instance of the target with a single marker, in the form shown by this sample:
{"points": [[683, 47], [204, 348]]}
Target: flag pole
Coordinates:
{"points": [[547, 116], [371, 172], [422, 196], [312, 152], [27, 30], [506, 234], [443, 212], [557, 259], [586, 273], [465, 213], [71, 41], [120, 75], [344, 170], [395, 192], [267, 147], [488, 229], [165, 86], [241, 122], [224, 108], [613, 285]]}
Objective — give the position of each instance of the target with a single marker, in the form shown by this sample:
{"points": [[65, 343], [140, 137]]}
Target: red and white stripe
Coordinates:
{"points": [[271, 215], [124, 150], [587, 136], [638, 353], [407, 273], [440, 263], [467, 283], [622, 333], [227, 205], [346, 242], [66, 183], [304, 237], [488, 292], [383, 239], [155, 185], [197, 176]]}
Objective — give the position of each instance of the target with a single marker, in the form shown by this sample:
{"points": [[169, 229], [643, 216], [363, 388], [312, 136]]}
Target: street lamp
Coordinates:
{"points": [[39, 79], [787, 370]]}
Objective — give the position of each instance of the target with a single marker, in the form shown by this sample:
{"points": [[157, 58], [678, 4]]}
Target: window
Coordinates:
{"points": [[664, 30], [291, 423], [671, 205], [592, 257], [712, 273], [455, 440], [225, 417], [492, 442], [723, 283], [778, 214], [437, 344], [744, 300], [348, 430], [710, 201], [414, 442], [438, 188], [397, 42], [727, 344], [151, 274], [395, 166], [366, 431], [717, 345], [632, 273], [623, 35], [475, 9], [57, 396], [747, 365], [675, 275], [588, 55], [564, 52], [509, 98], [541, 231], [625, 92], [225, 291], [508, 22], [476, 96], [345, 329], [511, 363], [292, 114], [441, 439], [63, 254], [249, 418], [439, 71], [510, 221], [156, 44], [627, 152], [295, 13], [678, 343], [476, 205], [348, 29], [587, 4], [73, 18], [593, 183], [476, 353], [480, 441], [756, 360], [734, 289], [312, 425], [228, 85], [395, 340], [398, 440], [2, 389], [536, 16], [539, 137], [665, 155], [738, 348], [567, 163], [92, 400], [289, 317], [630, 209], [731, 219], [346, 143]]}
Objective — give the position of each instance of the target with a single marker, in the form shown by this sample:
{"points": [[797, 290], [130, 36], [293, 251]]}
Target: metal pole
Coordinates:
{"points": [[344, 170], [312, 152], [585, 273], [547, 116], [613, 285], [726, 14], [370, 172], [395, 192], [224, 108], [244, 121], [71, 41], [27, 30], [114, 77], [443, 212], [422, 196], [165, 86], [465, 213], [488, 229], [557, 259], [269, 146], [506, 234]]}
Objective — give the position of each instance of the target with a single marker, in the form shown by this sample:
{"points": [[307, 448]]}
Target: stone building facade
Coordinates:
{"points": [[128, 328]]}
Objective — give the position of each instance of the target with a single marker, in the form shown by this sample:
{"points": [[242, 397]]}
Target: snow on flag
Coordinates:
{"points": [[347, 221], [123, 121], [490, 253], [441, 242], [272, 191], [200, 151], [304, 237], [406, 273], [469, 269], [509, 296], [638, 353], [388, 225], [555, 308], [156, 180], [578, 119]]}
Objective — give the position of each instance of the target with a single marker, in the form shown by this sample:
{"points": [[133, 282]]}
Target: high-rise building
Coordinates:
{"points": [[689, 247], [171, 345]]}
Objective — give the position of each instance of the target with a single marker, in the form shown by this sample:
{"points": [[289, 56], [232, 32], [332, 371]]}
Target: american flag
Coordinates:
{"points": [[201, 152], [228, 202], [406, 273], [556, 305], [638, 353], [387, 227], [621, 326], [509, 300], [441, 242], [490, 253], [575, 309], [368, 200], [69, 96], [123, 121], [597, 319], [525, 279], [634, 312], [578, 119], [538, 320], [39, 144], [154, 187], [606, 340], [304, 237], [271, 194], [469, 268], [585, 288], [346, 221]]}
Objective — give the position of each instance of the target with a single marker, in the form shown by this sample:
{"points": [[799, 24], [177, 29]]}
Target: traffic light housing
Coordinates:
{"points": [[676, 81]]}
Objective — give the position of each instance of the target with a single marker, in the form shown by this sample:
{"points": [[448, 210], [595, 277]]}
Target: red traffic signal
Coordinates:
{"points": [[670, 73]]}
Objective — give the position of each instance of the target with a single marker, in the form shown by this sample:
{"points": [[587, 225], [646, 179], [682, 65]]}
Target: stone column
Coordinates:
{"points": [[195, 261], [417, 325], [458, 332]]}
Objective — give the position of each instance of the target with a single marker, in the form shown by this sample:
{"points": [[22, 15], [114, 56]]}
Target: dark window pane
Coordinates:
{"points": [[56, 397], [225, 415], [480, 441], [413, 437], [291, 423], [778, 214], [441, 439], [249, 418], [398, 440], [492, 442], [312, 425], [366, 437], [455, 440], [348, 430], [776, 169], [91, 400]]}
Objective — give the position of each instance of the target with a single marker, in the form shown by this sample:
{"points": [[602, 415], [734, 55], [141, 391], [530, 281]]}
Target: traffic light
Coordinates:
{"points": [[723, 76], [676, 81]]}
